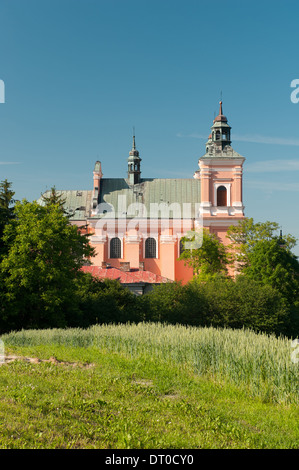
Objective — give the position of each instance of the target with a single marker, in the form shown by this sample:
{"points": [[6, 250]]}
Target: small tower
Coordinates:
{"points": [[97, 176], [220, 131], [134, 165]]}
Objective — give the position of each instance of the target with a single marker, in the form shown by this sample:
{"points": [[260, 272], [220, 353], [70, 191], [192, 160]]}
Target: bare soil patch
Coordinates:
{"points": [[35, 360]]}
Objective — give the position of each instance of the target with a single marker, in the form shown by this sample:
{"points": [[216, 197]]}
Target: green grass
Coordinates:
{"points": [[149, 386]]}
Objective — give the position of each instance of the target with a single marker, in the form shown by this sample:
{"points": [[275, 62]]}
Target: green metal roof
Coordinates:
{"points": [[117, 195], [77, 202]]}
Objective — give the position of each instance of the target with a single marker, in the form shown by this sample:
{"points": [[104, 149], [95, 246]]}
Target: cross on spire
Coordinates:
{"points": [[134, 144]]}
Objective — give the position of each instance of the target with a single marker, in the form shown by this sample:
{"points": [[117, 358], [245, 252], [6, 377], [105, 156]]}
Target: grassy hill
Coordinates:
{"points": [[148, 386]]}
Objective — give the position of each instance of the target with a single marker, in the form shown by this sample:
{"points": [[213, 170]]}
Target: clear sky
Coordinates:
{"points": [[79, 74]]}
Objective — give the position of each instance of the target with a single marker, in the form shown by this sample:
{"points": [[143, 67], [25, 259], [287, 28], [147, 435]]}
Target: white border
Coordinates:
{"points": [[228, 187]]}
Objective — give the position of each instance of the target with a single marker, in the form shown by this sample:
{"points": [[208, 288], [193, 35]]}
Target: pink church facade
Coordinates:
{"points": [[136, 224]]}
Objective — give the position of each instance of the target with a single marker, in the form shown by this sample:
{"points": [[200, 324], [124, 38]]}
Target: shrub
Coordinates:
{"points": [[104, 301], [221, 302]]}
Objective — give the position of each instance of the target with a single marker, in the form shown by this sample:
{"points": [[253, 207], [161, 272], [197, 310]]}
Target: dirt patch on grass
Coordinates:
{"points": [[144, 383], [35, 360]]}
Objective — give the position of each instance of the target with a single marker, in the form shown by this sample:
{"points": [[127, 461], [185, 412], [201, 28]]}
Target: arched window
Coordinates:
{"points": [[115, 248], [150, 248], [221, 196], [182, 246]]}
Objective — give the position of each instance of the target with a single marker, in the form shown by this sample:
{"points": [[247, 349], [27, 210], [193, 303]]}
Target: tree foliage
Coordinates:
{"points": [[6, 209], [208, 260], [272, 263], [244, 236], [45, 255], [54, 198], [222, 303], [104, 301]]}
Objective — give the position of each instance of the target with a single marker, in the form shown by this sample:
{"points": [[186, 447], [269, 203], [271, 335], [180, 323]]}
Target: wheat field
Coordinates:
{"points": [[259, 363]]}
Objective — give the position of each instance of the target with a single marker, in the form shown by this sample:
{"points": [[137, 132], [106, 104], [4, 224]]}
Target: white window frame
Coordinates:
{"points": [[227, 186]]}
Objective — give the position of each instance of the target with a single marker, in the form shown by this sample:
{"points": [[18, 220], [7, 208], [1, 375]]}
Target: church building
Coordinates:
{"points": [[136, 224]]}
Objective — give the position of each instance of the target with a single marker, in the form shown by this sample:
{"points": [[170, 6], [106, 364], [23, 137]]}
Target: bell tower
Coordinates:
{"points": [[220, 172], [220, 131], [134, 160]]}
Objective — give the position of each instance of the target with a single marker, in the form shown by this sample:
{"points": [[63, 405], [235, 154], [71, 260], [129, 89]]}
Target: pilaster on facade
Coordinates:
{"points": [[132, 239], [169, 239], [96, 239]]}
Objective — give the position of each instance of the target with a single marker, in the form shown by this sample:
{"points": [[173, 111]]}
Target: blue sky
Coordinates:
{"points": [[79, 74]]}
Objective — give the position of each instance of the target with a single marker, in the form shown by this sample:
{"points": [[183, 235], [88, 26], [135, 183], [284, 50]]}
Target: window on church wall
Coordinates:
{"points": [[150, 248], [115, 248], [217, 135], [221, 196], [182, 247]]}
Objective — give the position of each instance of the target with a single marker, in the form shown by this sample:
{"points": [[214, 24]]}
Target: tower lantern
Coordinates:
{"points": [[221, 131], [134, 165]]}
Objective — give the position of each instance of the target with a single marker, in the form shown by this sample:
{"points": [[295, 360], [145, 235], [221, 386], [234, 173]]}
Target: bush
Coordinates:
{"points": [[175, 303], [221, 302], [104, 301], [247, 303]]}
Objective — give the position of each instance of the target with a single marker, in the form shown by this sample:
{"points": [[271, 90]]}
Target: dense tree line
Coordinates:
{"points": [[42, 284]]}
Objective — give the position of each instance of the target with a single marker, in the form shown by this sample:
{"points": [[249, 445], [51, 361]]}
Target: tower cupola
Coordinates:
{"points": [[134, 165], [221, 130]]}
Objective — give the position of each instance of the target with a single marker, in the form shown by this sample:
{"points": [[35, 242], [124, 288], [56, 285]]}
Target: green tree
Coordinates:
{"points": [[244, 236], [6, 209], [246, 303], [53, 198], [104, 301], [45, 256], [272, 262], [207, 260], [222, 303]]}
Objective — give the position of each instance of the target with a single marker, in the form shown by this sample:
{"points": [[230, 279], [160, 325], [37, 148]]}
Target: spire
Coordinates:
{"points": [[220, 116], [134, 144], [134, 163], [134, 151]]}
